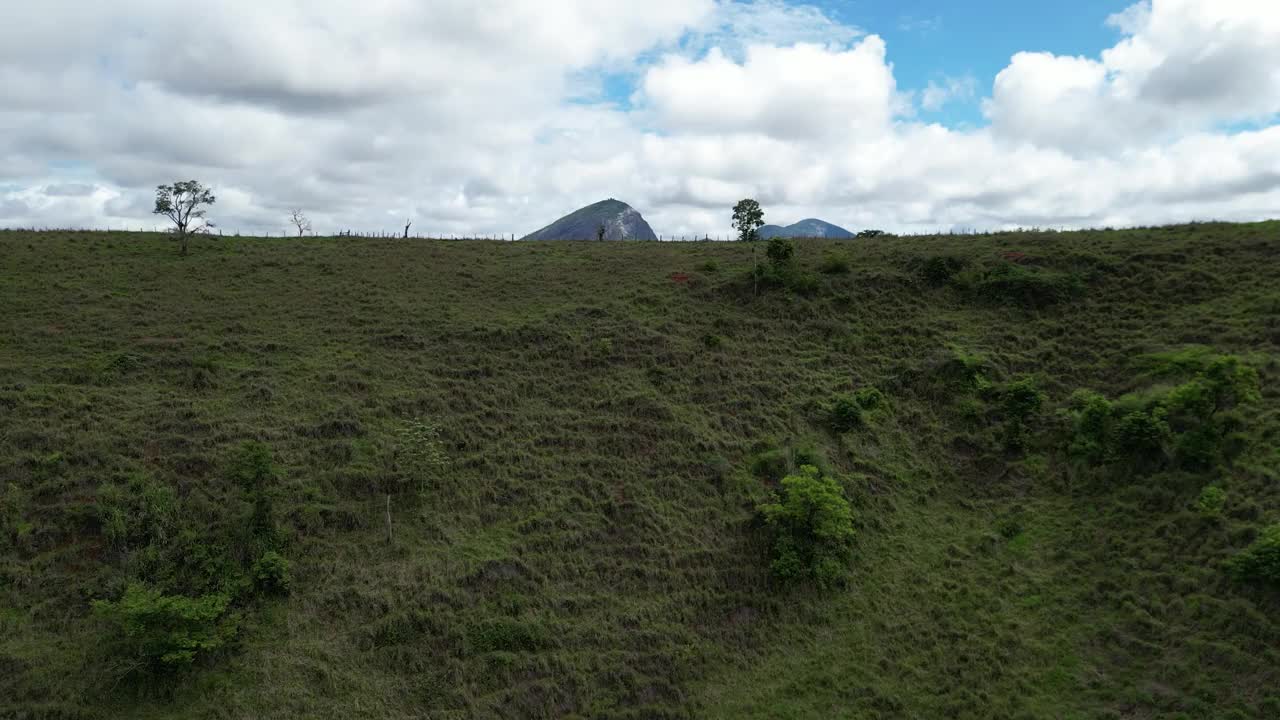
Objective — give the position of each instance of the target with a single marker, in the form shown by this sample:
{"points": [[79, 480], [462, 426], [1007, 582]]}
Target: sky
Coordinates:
{"points": [[487, 117]]}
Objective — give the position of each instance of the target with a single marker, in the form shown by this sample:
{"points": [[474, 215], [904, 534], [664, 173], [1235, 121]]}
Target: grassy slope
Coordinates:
{"points": [[599, 499]]}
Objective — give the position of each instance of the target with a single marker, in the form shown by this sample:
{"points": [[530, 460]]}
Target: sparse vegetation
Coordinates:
{"points": [[194, 470]]}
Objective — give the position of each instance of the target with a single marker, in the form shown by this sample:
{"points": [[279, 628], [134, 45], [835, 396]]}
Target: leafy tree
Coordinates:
{"points": [[748, 218], [168, 631], [812, 526], [600, 232], [185, 203]]}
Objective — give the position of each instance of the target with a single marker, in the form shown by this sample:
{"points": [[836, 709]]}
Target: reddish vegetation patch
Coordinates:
{"points": [[680, 277], [1016, 257]]}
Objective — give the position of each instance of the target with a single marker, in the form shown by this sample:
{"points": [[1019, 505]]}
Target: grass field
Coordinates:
{"points": [[591, 546]]}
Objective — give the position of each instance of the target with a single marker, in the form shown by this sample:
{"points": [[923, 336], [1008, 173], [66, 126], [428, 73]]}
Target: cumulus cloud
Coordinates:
{"points": [[471, 116], [1184, 66]]}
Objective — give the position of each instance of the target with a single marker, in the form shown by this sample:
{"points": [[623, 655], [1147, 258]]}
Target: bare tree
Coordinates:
{"points": [[184, 204], [300, 221], [407, 223]]}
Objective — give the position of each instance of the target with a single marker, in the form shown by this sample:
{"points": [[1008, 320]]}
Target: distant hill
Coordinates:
{"points": [[810, 228], [620, 220]]}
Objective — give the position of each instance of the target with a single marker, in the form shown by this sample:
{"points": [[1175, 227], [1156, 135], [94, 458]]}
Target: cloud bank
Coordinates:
{"points": [[486, 117]]}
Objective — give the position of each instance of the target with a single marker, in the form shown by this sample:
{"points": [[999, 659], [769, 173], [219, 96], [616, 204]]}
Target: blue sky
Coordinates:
{"points": [[498, 117], [935, 41]]}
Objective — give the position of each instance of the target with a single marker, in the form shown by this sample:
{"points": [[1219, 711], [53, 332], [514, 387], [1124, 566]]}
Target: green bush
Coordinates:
{"points": [[1260, 563], [251, 466], [1020, 401], [940, 269], [771, 464], [1211, 502], [780, 253], [1190, 424], [835, 265], [137, 512], [1032, 288], [270, 574], [710, 266], [167, 631], [848, 412], [812, 526]]}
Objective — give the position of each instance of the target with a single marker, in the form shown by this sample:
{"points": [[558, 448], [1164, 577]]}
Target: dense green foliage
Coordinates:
{"points": [[157, 631], [1260, 563], [1060, 477], [812, 528]]}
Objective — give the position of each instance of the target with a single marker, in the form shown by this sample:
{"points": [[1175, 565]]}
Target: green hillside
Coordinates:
{"points": [[572, 447]]}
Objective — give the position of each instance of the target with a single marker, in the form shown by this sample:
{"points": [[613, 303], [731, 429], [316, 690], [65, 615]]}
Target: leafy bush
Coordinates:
{"points": [[847, 412], [270, 574], [780, 253], [710, 266], [940, 269], [770, 464], [1260, 563], [167, 631], [1189, 424], [1009, 283], [835, 265], [1020, 401], [812, 527], [251, 466], [138, 512], [1211, 501]]}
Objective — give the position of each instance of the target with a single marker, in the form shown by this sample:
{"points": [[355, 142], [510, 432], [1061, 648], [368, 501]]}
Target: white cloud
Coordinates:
{"points": [[938, 94], [802, 92], [1184, 66], [470, 116]]}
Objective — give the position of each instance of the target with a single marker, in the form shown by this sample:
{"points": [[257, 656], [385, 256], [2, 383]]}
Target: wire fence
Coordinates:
{"points": [[264, 233]]}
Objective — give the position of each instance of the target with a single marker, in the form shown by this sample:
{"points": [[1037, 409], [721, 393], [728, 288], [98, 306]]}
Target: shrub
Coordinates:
{"points": [[1020, 401], [835, 265], [780, 253], [812, 526], [251, 466], [270, 574], [1026, 287], [848, 412], [712, 341], [1211, 501], [167, 631], [872, 234], [1260, 563], [771, 464], [1189, 423], [710, 266], [138, 512], [845, 414], [940, 269]]}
